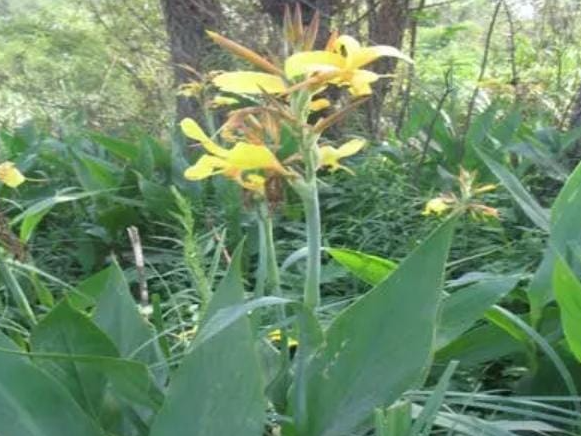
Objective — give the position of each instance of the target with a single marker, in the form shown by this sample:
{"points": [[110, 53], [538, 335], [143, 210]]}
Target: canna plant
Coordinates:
{"points": [[94, 365]]}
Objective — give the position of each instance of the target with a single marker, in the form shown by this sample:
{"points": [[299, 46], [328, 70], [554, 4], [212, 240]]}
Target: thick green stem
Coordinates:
{"points": [[313, 224], [310, 198]]}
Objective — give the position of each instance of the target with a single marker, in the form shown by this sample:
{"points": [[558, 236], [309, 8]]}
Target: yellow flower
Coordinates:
{"points": [[330, 156], [10, 176], [276, 336], [319, 104], [232, 163], [192, 89], [436, 206], [345, 58], [250, 82]]}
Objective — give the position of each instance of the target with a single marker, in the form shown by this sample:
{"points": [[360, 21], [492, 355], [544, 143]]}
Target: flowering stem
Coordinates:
{"points": [[310, 198]]}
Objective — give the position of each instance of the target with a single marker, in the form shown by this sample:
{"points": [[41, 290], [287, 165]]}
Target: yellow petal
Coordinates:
{"points": [[193, 130], [309, 62], [249, 82], [329, 157], [254, 182], [348, 46], [319, 104], [10, 176], [205, 167], [436, 206], [360, 82], [350, 148], [245, 156], [366, 55], [220, 101]]}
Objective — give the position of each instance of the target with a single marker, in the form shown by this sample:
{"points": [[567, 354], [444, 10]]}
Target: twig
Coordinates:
{"points": [[484, 63], [139, 264], [428, 139]]}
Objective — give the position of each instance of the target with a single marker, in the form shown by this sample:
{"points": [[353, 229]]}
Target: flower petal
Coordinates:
{"points": [[360, 82], [10, 176], [308, 62], [250, 82], [348, 46], [350, 148], [193, 130], [205, 167], [319, 104], [366, 55], [254, 182], [245, 156]]}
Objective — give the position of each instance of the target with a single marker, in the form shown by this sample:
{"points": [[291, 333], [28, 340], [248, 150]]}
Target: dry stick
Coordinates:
{"points": [[411, 68], [139, 264], [483, 64]]}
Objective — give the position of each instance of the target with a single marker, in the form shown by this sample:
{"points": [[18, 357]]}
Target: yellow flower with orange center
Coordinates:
{"points": [[232, 163]]}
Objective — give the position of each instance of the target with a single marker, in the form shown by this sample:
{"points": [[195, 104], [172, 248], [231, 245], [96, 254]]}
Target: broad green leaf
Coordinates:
{"points": [[32, 403], [95, 174], [218, 389], [370, 269], [568, 295], [118, 147], [32, 216], [88, 291], [565, 232], [480, 345], [67, 331], [463, 308], [525, 200], [116, 313], [387, 335]]}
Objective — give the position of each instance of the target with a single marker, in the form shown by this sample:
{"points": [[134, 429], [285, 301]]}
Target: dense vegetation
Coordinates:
{"points": [[277, 229]]}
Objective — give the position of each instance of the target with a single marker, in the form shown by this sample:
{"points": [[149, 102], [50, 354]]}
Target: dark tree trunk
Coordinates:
{"points": [[275, 8], [186, 23], [387, 26]]}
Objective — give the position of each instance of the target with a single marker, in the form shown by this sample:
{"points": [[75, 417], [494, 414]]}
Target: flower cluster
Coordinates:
{"points": [[282, 97]]}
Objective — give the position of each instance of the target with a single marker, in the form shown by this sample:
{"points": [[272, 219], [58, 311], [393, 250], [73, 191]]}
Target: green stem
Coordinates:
{"points": [[310, 197], [17, 292], [313, 224], [272, 273]]}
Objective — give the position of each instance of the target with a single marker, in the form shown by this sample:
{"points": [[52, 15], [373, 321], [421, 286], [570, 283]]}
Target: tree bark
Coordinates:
{"points": [[387, 26], [186, 23]]}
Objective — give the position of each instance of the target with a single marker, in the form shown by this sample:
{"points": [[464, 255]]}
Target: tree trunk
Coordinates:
{"points": [[387, 26], [186, 23]]}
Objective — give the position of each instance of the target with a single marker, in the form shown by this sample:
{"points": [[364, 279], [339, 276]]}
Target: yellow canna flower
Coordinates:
{"points": [[231, 163], [250, 82], [330, 156], [345, 57], [10, 176], [436, 206], [276, 336], [319, 104]]}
